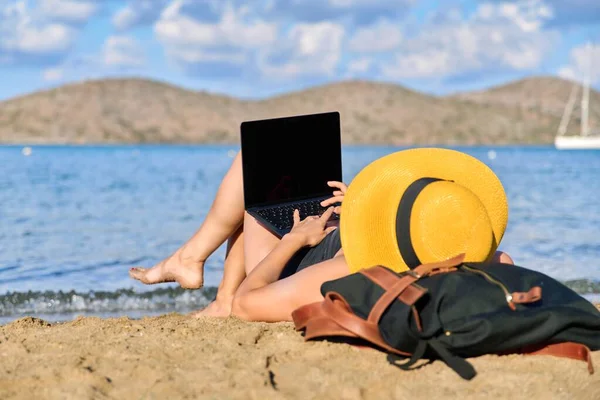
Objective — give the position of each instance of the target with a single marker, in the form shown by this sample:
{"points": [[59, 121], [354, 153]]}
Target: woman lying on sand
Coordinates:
{"points": [[252, 280]]}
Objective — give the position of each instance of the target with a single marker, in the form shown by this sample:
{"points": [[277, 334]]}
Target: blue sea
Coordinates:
{"points": [[74, 219]]}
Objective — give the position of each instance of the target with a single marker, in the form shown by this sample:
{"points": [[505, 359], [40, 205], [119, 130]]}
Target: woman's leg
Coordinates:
{"points": [[233, 275], [258, 242], [186, 265], [246, 249]]}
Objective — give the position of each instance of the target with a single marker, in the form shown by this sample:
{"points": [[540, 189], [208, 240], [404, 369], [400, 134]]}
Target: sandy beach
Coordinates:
{"points": [[174, 356]]}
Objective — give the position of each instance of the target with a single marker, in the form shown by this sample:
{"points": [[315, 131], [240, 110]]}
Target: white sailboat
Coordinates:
{"points": [[585, 139]]}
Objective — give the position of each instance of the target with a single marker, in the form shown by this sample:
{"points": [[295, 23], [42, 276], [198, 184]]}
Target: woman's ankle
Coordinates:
{"points": [[224, 297], [187, 254]]}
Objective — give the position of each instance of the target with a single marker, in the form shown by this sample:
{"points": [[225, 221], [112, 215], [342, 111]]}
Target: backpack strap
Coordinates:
{"points": [[575, 351], [316, 323], [394, 287], [402, 287], [386, 279], [339, 311], [443, 266], [459, 365]]}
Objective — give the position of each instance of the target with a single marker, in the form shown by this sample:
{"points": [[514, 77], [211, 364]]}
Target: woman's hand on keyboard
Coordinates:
{"points": [[338, 195], [312, 229]]}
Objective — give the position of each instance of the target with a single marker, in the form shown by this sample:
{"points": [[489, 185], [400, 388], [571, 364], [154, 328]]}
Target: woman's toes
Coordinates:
{"points": [[136, 273]]}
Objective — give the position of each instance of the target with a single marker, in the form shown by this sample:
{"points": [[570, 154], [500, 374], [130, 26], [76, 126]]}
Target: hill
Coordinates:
{"points": [[144, 111]]}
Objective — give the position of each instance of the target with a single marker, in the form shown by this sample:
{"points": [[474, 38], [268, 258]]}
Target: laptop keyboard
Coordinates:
{"points": [[283, 216]]}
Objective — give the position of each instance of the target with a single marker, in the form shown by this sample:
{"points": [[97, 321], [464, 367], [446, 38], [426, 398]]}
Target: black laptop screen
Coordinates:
{"points": [[292, 158]]}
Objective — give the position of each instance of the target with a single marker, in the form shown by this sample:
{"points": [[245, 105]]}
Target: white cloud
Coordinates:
{"points": [[584, 61], [527, 15], [351, 12], [309, 49], [39, 40], [237, 41], [138, 12], [125, 17], [379, 37], [432, 63], [359, 66], [21, 33], [495, 37], [572, 12], [195, 56], [122, 51], [53, 74], [68, 10], [118, 52], [187, 39], [364, 3]]}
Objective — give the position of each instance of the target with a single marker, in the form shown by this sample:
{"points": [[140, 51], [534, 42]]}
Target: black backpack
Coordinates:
{"points": [[454, 310]]}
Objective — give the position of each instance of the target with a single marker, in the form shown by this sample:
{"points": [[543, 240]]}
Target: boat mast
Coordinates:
{"points": [[585, 99], [566, 117]]}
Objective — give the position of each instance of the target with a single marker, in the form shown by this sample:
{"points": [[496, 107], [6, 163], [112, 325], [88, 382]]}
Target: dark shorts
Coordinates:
{"points": [[313, 255]]}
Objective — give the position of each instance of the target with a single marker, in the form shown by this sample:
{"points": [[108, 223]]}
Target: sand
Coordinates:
{"points": [[176, 357]]}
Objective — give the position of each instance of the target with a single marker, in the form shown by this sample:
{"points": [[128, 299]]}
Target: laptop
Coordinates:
{"points": [[286, 164]]}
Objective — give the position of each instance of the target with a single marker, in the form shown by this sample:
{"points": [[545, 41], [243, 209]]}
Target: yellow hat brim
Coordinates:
{"points": [[367, 228]]}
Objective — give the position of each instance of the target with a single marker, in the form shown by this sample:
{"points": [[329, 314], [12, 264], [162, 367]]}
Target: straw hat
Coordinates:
{"points": [[419, 206]]}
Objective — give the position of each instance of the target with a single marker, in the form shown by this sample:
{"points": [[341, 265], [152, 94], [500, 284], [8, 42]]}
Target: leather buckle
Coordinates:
{"points": [[413, 274]]}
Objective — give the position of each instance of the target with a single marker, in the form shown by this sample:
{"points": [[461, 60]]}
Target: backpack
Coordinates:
{"points": [[454, 310]]}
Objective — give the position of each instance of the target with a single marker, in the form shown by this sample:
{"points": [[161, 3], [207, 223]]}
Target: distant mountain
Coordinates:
{"points": [[144, 111]]}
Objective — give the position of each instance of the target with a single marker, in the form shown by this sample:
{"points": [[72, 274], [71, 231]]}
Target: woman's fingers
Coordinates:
{"points": [[338, 195], [296, 217], [330, 229], [340, 185], [326, 215], [332, 200]]}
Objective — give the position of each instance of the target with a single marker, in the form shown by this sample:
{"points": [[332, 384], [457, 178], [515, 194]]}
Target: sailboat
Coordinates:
{"points": [[585, 139]]}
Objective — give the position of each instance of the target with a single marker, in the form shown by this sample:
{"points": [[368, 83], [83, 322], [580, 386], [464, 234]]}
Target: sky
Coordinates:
{"points": [[260, 48]]}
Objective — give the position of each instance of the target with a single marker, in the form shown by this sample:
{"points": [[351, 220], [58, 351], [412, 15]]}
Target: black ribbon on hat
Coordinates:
{"points": [[403, 236]]}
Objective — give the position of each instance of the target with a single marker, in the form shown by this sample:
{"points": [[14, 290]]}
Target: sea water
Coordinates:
{"points": [[74, 219]]}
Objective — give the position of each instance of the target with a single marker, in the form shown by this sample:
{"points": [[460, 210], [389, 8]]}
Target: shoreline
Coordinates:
{"points": [[172, 356], [133, 315]]}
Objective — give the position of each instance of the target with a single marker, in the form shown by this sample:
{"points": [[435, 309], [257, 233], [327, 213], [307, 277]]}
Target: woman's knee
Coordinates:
{"points": [[258, 242], [503, 257]]}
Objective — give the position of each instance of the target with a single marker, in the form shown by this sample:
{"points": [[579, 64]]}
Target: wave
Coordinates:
{"points": [[99, 302], [584, 286], [155, 301]]}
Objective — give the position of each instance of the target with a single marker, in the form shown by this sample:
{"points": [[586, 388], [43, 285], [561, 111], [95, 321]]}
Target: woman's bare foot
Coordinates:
{"points": [[220, 308], [185, 270]]}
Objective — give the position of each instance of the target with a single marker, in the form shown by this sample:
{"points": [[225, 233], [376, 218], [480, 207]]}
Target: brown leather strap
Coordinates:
{"points": [[438, 271], [449, 264], [534, 294], [575, 351], [385, 278], [381, 276], [339, 311], [316, 323], [325, 327], [306, 313], [388, 297]]}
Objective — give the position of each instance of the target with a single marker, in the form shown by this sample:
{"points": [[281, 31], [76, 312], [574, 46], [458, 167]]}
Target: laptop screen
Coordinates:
{"points": [[291, 158]]}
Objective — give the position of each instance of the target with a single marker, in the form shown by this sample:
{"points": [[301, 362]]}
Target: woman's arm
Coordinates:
{"points": [[276, 301], [308, 232], [270, 268]]}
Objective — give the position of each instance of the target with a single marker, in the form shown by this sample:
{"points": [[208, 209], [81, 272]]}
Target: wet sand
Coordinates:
{"points": [[173, 356]]}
